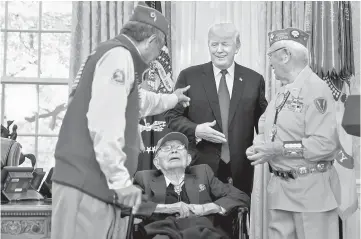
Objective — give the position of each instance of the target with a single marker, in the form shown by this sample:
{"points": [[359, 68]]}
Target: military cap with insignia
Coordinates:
{"points": [[291, 34], [145, 14]]}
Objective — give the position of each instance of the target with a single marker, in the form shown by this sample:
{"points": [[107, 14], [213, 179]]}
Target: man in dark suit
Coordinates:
{"points": [[185, 192], [225, 97]]}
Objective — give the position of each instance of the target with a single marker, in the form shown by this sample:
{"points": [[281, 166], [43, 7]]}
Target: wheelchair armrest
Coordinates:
{"points": [[242, 209], [138, 220], [240, 224]]}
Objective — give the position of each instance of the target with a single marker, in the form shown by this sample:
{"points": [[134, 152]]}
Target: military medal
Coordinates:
{"points": [[273, 131], [297, 105]]}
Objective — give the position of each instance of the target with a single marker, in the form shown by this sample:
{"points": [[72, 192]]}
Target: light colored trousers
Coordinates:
{"points": [[303, 225], [78, 215]]}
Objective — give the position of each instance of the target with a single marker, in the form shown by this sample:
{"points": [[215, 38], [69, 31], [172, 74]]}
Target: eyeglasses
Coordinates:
{"points": [[269, 54], [168, 148]]}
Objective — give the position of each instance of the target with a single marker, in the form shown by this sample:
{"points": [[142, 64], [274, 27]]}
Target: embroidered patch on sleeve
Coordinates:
{"points": [[118, 76], [321, 105]]}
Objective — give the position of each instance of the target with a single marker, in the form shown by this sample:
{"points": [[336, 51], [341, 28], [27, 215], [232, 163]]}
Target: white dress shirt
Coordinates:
{"points": [[106, 113], [229, 77], [168, 181]]}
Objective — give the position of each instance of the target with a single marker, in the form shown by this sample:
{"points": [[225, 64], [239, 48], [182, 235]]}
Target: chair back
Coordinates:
{"points": [[10, 152]]}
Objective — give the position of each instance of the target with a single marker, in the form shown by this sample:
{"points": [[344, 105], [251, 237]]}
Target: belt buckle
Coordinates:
{"points": [[302, 171], [321, 167]]}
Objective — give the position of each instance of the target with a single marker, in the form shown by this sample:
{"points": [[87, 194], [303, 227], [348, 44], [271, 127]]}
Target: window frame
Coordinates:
{"points": [[37, 81]]}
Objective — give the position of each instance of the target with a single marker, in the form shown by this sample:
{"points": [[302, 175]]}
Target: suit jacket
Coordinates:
{"points": [[201, 187], [247, 105]]}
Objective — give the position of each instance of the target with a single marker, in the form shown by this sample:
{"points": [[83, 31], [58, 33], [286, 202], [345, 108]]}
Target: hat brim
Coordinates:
{"points": [[173, 136]]}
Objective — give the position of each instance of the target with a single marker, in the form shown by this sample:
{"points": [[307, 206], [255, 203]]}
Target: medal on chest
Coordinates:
{"points": [[273, 131], [296, 105]]}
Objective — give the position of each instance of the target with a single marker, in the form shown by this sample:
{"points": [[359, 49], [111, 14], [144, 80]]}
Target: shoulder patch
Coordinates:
{"points": [[118, 76], [321, 104]]}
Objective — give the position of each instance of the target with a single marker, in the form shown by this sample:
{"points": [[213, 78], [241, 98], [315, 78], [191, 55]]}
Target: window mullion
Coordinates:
{"points": [[37, 88], [34, 31], [39, 135], [34, 80], [5, 38], [3, 104], [37, 121], [4, 64], [39, 39]]}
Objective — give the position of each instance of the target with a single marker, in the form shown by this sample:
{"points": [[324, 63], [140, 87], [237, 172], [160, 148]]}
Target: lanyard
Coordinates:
{"points": [[278, 109]]}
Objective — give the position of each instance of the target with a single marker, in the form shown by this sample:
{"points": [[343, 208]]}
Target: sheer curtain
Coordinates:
{"points": [[190, 25]]}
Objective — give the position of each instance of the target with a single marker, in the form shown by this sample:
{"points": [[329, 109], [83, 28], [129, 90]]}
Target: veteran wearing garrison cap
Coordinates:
{"points": [[298, 141], [97, 151]]}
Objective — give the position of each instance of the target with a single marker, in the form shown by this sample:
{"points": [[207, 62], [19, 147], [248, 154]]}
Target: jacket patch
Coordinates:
{"points": [[321, 104], [118, 76]]}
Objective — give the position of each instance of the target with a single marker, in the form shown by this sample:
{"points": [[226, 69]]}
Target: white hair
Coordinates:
{"points": [[229, 27], [298, 51]]}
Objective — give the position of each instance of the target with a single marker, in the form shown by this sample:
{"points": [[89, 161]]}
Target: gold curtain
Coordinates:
{"points": [[93, 23]]}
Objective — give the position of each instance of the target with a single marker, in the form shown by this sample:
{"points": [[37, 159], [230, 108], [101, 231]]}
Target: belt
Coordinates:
{"points": [[320, 167]]}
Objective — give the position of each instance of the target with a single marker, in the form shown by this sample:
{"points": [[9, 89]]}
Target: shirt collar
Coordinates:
{"points": [[135, 46], [230, 70], [296, 86], [167, 181]]}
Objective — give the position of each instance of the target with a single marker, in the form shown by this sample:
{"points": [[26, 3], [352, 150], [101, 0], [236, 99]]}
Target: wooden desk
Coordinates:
{"points": [[26, 220]]}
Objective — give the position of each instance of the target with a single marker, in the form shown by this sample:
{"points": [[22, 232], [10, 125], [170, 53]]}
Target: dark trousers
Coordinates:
{"points": [[224, 171]]}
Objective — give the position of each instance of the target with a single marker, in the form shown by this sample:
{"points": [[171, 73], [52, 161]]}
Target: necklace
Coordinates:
{"points": [[178, 190]]}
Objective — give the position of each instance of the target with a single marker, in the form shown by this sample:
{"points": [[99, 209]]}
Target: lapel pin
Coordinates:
{"points": [[240, 79], [202, 187]]}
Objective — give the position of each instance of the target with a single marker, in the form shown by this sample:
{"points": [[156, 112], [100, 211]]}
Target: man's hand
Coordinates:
{"points": [[197, 209], [257, 141], [265, 152], [180, 208], [205, 209], [130, 196], [184, 100], [250, 151], [205, 131]]}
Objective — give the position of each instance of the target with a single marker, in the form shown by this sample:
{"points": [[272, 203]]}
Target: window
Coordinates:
{"points": [[34, 68]]}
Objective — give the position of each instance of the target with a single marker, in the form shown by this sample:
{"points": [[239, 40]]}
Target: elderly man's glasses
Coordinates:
{"points": [[170, 147], [269, 54]]}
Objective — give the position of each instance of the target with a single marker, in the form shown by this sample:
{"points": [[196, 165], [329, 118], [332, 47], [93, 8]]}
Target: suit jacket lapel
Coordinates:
{"points": [[191, 188], [209, 84], [159, 188], [237, 92]]}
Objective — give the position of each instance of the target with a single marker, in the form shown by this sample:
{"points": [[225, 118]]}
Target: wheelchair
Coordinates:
{"points": [[239, 216]]}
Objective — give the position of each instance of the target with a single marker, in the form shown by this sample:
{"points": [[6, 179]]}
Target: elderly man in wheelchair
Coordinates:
{"points": [[184, 201]]}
